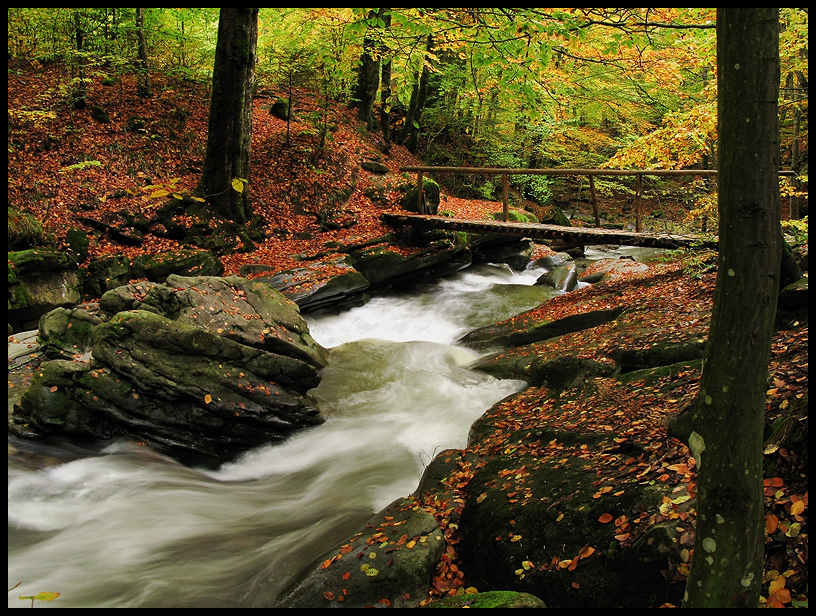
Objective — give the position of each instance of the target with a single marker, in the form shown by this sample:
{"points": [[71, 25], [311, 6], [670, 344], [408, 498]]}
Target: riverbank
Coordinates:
{"points": [[571, 490]]}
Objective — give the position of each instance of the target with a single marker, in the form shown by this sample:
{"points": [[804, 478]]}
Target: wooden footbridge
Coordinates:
{"points": [[563, 236]]}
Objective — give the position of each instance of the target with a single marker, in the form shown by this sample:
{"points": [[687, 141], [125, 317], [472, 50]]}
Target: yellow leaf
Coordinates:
{"points": [[159, 193], [777, 584], [797, 507], [207, 399], [237, 185]]}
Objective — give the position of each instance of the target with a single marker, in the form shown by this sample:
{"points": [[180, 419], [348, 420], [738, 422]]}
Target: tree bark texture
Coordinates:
{"points": [[230, 122], [409, 136], [724, 427], [385, 92], [368, 77]]}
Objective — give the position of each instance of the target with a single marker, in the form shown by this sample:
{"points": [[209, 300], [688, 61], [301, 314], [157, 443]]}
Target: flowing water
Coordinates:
{"points": [[125, 527]]}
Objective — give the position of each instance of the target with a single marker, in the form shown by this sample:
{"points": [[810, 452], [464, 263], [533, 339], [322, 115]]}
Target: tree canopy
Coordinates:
{"points": [[513, 87]]}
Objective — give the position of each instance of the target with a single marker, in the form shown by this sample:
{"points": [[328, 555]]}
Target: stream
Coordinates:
{"points": [[126, 527]]}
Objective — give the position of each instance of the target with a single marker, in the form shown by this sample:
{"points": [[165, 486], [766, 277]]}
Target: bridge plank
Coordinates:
{"points": [[573, 236]]}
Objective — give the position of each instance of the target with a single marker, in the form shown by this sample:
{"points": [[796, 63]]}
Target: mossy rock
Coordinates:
{"points": [[493, 599], [65, 333], [182, 262], [519, 529], [431, 197], [515, 215]]}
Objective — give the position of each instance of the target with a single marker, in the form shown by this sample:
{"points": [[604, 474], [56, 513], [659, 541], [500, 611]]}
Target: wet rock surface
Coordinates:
{"points": [[197, 368]]}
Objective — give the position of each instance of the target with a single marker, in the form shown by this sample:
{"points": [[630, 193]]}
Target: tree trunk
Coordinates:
{"points": [[409, 135], [230, 123], [724, 426], [385, 93], [368, 77], [143, 88], [77, 88]]}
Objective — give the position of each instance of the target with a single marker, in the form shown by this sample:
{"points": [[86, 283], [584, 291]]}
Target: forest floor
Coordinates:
{"points": [[64, 165]]}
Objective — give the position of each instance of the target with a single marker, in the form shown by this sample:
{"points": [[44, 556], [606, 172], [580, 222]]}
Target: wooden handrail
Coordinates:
{"points": [[639, 173]]}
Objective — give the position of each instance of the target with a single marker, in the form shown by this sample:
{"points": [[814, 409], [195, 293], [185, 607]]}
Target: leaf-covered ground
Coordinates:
{"points": [[65, 166]]}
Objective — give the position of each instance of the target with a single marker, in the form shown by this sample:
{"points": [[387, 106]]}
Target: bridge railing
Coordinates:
{"points": [[591, 173]]}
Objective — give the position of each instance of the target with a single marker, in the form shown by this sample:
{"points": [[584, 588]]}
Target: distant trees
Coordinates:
{"points": [[572, 87]]}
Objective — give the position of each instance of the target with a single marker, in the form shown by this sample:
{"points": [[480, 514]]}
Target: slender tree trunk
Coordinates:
{"points": [[724, 427], [230, 123], [385, 91], [77, 89], [143, 88]]}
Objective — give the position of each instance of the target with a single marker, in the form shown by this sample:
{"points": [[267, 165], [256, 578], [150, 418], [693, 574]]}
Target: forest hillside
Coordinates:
{"points": [[120, 157]]}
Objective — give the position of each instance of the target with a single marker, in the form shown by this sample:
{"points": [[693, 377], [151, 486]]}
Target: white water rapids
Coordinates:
{"points": [[128, 528]]}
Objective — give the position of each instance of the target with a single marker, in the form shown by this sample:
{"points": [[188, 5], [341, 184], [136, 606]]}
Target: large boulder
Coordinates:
{"points": [[184, 262], [542, 516], [393, 265], [430, 197], [528, 327], [40, 280], [198, 368], [320, 286], [513, 251], [389, 563], [335, 282]]}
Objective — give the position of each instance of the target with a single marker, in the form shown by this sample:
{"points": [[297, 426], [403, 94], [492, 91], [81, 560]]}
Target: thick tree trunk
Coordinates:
{"points": [[409, 135], [368, 77], [230, 123], [724, 427]]}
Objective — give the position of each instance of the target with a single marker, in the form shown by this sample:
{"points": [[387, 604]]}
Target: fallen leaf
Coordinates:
{"points": [[605, 518], [771, 523]]}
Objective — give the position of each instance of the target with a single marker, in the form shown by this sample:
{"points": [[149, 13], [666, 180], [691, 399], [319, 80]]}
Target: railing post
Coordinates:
{"points": [[638, 224], [420, 195], [594, 200], [505, 206]]}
